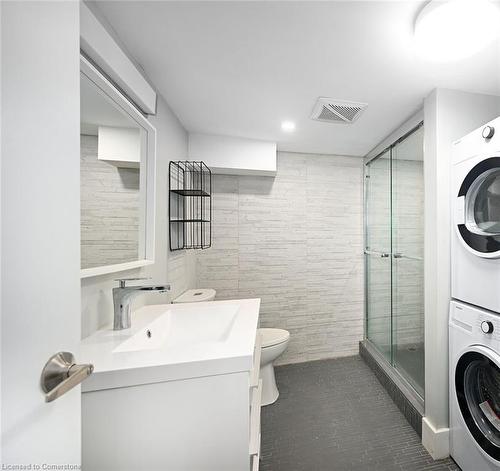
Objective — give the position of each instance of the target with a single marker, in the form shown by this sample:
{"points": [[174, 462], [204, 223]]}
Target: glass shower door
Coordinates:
{"points": [[377, 253], [394, 275], [407, 259]]}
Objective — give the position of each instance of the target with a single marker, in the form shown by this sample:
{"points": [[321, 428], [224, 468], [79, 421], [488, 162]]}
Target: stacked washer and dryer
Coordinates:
{"points": [[474, 322]]}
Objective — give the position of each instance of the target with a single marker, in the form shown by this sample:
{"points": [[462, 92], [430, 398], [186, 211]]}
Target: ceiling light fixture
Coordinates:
{"points": [[288, 126], [448, 30]]}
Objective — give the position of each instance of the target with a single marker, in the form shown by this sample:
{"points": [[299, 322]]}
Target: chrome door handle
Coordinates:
{"points": [[60, 374], [373, 252], [408, 257]]}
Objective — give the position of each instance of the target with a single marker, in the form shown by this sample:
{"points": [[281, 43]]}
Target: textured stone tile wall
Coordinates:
{"points": [[181, 272], [408, 239], [378, 268], [296, 242], [109, 209]]}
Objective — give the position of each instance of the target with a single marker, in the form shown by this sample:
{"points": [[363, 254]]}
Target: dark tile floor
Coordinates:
{"points": [[334, 415]]}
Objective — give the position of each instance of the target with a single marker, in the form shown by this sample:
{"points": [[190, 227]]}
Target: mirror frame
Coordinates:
{"points": [[147, 173]]}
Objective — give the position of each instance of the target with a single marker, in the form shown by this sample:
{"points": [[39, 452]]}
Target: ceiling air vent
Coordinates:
{"points": [[336, 111]]}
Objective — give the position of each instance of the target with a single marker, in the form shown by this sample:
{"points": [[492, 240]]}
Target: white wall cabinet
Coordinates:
{"points": [[209, 423], [119, 146], [234, 155]]}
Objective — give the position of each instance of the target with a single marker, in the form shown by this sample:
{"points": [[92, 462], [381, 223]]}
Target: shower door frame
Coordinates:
{"points": [[388, 366]]}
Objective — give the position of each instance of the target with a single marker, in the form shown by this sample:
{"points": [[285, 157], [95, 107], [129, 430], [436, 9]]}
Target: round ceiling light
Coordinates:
{"points": [[288, 126], [448, 30]]}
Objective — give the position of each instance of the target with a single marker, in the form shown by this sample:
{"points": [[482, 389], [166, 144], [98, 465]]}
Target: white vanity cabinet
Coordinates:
{"points": [[255, 404], [204, 422]]}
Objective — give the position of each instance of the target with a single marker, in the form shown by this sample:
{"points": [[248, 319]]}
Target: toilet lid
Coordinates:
{"points": [[196, 296], [271, 337]]}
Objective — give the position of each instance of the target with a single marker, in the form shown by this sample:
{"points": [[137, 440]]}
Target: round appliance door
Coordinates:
{"points": [[477, 384], [479, 196]]}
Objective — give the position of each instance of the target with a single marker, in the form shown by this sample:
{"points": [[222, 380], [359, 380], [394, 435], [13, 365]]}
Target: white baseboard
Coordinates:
{"points": [[435, 441]]}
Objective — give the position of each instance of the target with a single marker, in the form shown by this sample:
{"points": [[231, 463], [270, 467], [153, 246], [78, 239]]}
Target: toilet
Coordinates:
{"points": [[273, 344], [196, 296]]}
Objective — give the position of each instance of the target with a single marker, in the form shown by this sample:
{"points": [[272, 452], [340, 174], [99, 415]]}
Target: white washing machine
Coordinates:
{"points": [[475, 256], [474, 388]]}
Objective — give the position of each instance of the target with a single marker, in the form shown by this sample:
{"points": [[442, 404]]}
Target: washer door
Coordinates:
{"points": [[479, 203], [477, 384]]}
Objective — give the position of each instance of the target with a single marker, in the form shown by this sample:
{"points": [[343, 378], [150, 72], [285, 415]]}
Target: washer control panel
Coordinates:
{"points": [[479, 326], [487, 327]]}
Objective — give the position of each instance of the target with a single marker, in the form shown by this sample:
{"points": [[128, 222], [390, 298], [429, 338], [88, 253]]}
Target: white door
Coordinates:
{"points": [[40, 253]]}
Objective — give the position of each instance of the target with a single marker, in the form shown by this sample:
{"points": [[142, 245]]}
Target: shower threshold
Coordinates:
{"points": [[408, 400]]}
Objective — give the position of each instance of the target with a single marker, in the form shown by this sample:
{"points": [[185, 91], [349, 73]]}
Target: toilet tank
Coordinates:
{"points": [[196, 296]]}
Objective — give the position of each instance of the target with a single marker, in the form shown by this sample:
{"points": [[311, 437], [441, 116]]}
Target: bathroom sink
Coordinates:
{"points": [[151, 337], [185, 326], [173, 341]]}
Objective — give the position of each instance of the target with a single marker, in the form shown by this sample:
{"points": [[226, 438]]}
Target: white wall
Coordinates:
{"points": [[97, 42], [448, 115], [177, 268]]}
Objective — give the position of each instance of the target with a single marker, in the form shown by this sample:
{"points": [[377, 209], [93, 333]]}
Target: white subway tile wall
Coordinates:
{"points": [[296, 242]]}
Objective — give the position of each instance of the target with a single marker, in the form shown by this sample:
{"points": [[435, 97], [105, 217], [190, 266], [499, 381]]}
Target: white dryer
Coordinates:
{"points": [[474, 388], [475, 256]]}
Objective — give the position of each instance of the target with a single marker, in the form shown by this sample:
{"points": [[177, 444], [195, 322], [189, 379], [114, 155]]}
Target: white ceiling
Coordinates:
{"points": [[241, 68]]}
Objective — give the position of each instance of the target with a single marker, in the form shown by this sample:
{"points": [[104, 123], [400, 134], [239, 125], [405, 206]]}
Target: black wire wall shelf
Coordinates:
{"points": [[190, 192], [190, 203]]}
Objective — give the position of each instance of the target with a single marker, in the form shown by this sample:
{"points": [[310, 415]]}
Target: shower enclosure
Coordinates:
{"points": [[394, 235]]}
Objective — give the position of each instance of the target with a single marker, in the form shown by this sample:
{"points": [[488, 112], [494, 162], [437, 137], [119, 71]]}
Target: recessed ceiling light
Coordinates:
{"points": [[288, 126], [448, 30]]}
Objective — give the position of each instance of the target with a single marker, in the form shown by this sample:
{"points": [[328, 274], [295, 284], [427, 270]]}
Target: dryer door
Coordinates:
{"points": [[477, 215], [477, 384]]}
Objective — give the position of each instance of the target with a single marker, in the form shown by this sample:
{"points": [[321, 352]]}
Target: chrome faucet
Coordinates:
{"points": [[122, 300]]}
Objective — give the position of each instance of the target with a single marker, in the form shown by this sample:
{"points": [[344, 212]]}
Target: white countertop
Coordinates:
{"points": [[187, 341]]}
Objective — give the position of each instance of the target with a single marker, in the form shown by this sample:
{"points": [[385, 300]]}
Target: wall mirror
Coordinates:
{"points": [[117, 172]]}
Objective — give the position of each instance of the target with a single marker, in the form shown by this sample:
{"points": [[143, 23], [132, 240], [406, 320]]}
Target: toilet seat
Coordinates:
{"points": [[272, 337]]}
